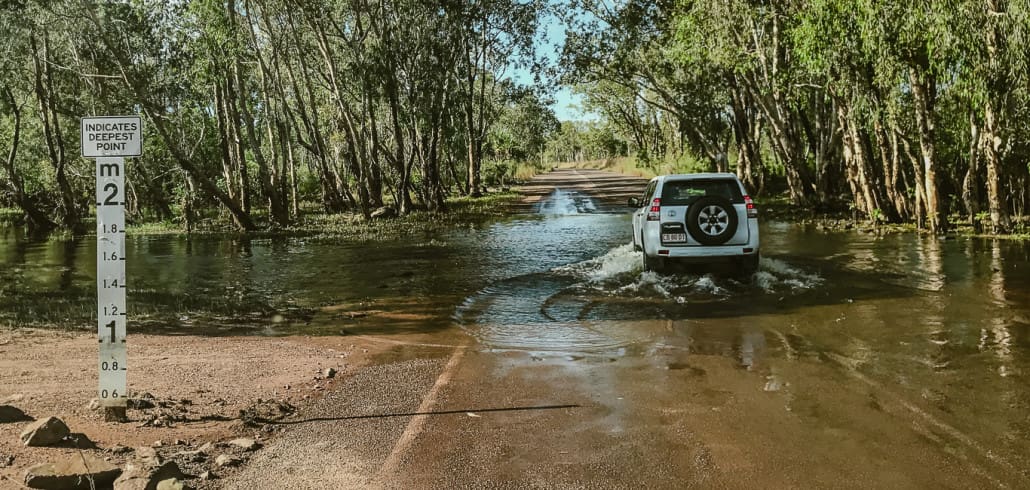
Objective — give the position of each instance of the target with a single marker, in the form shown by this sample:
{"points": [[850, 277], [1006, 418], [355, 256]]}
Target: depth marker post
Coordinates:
{"points": [[109, 140]]}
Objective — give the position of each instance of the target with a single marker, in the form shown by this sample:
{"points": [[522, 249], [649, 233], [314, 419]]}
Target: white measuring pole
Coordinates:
{"points": [[111, 312], [109, 140]]}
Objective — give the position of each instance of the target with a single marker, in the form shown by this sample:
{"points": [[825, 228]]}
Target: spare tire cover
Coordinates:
{"points": [[712, 220]]}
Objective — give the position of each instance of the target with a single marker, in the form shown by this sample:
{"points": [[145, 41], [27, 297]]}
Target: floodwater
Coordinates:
{"points": [[561, 279], [940, 328]]}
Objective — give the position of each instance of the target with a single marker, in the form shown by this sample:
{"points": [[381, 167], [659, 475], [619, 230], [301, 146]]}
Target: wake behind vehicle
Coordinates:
{"points": [[696, 218]]}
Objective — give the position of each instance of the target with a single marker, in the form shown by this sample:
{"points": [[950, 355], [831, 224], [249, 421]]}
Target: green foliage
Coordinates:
{"points": [[582, 141], [869, 103], [524, 126], [256, 109]]}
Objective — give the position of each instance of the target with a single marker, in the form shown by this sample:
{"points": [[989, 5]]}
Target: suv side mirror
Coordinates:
{"points": [[634, 202]]}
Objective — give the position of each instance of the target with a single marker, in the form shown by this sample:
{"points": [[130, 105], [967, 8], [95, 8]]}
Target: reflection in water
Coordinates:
{"points": [[930, 267], [943, 325], [932, 278], [751, 343], [565, 280], [999, 327], [69, 264]]}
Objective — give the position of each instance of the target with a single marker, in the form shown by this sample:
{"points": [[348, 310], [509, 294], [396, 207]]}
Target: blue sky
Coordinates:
{"points": [[550, 38]]}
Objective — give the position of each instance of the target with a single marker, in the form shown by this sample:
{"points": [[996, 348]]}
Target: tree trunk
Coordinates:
{"points": [[162, 207], [997, 86], [992, 151], [39, 223], [850, 166], [276, 208], [971, 183], [156, 111], [225, 140], [785, 143], [746, 134], [50, 119], [920, 198], [891, 171], [924, 95]]}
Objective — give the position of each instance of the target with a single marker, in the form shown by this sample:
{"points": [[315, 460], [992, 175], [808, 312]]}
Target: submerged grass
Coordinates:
{"points": [[232, 309], [9, 215], [459, 211]]}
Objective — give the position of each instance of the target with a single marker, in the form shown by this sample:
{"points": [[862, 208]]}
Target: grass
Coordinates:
{"points": [[635, 167], [460, 211], [1020, 228], [526, 171], [10, 215]]}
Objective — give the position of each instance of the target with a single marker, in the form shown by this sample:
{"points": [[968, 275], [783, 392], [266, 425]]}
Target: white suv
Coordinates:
{"points": [[696, 217]]}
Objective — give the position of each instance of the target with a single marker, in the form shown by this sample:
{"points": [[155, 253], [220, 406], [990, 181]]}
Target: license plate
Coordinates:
{"points": [[674, 237]]}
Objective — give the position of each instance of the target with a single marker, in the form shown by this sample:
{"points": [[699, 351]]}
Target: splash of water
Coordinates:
{"points": [[616, 262], [563, 203], [774, 272], [620, 272]]}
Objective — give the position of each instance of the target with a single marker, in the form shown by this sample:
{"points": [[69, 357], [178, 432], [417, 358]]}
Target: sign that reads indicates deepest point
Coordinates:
{"points": [[112, 136]]}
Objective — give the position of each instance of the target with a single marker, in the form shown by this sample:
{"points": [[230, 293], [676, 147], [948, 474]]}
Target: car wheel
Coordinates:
{"points": [[712, 220], [651, 264], [749, 264]]}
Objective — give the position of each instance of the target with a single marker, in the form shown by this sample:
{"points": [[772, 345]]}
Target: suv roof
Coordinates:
{"points": [[698, 176]]}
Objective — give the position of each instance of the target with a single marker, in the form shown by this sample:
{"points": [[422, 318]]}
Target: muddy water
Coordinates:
{"points": [[934, 332], [562, 279]]}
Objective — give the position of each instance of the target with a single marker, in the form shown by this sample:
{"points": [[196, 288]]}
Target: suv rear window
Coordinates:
{"points": [[685, 192]]}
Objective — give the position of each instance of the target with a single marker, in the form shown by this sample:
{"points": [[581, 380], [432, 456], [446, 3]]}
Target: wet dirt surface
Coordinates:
{"points": [[535, 352]]}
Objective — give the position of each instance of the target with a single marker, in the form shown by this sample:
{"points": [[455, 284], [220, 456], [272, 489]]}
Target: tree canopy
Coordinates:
{"points": [[901, 110], [255, 107]]}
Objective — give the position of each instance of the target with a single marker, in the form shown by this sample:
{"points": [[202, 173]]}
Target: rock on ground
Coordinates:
{"points": [[172, 484], [245, 443], [141, 476], [227, 460], [10, 414], [384, 212], [76, 471], [148, 457], [45, 432], [191, 456]]}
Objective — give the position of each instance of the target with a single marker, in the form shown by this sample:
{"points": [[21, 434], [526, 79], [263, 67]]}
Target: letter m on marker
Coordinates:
{"points": [[110, 170]]}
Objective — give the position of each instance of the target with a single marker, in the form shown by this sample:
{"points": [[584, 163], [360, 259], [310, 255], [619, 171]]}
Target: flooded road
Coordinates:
{"points": [[849, 360]]}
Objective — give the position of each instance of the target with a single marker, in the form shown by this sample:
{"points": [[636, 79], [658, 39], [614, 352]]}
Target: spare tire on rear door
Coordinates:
{"points": [[712, 220]]}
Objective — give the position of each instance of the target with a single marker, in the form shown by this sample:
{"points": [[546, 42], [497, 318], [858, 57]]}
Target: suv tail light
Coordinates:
{"points": [[752, 211], [654, 213]]}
